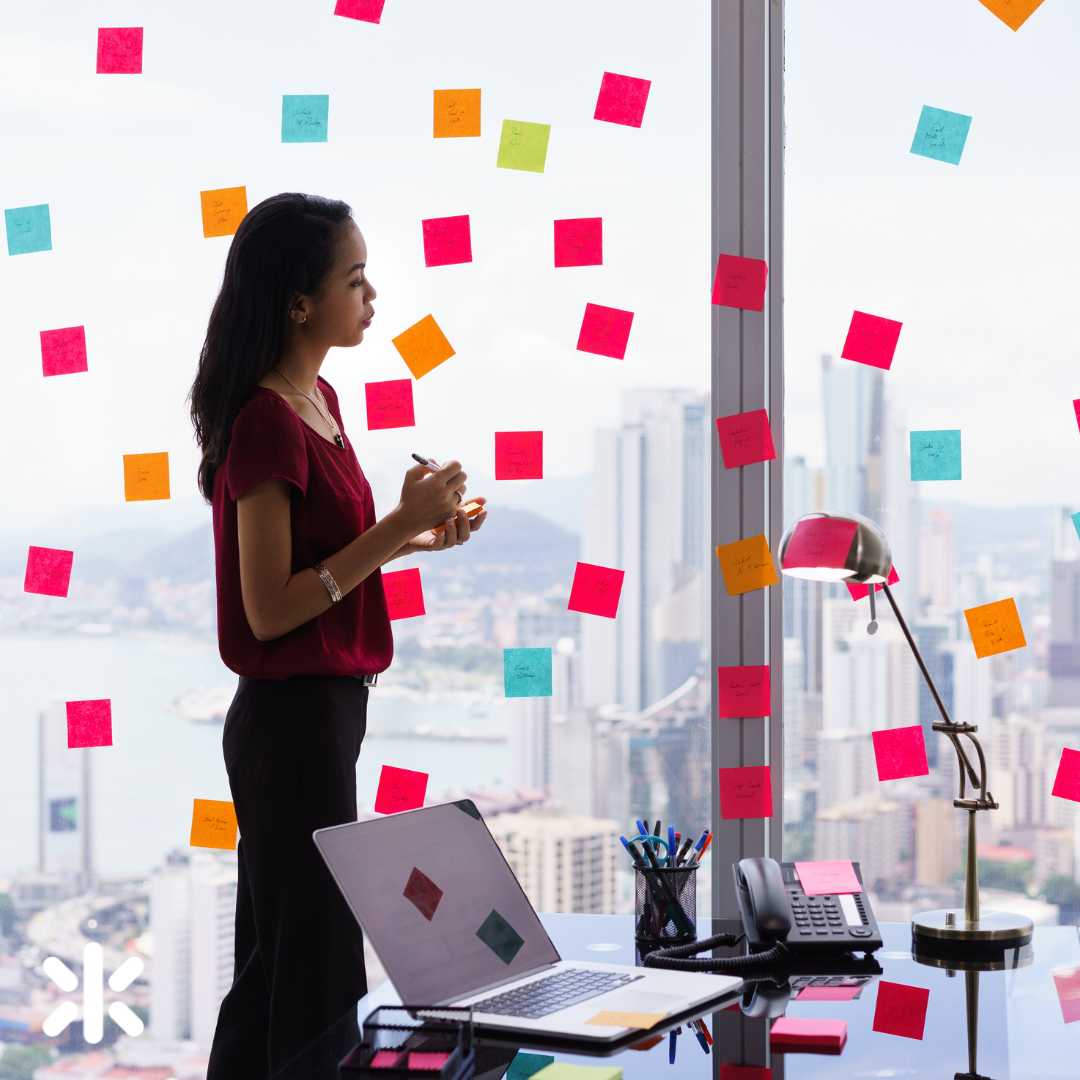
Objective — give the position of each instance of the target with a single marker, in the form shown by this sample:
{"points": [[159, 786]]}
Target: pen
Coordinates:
{"points": [[675, 911], [656, 828], [705, 1031], [700, 1038], [431, 463], [671, 845], [642, 828], [699, 854], [671, 1045], [686, 845]]}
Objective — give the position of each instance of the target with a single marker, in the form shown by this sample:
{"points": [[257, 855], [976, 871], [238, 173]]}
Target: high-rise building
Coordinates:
{"points": [[535, 720], [65, 824], [937, 562], [1064, 659], [875, 830]]}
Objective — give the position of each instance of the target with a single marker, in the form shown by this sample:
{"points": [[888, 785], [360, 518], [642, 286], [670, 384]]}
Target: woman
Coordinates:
{"points": [[302, 617]]}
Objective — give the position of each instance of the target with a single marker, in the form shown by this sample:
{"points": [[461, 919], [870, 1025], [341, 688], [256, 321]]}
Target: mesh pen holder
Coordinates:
{"points": [[665, 905]]}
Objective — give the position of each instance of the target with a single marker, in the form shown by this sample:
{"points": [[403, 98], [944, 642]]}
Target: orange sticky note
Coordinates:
{"points": [[995, 628], [423, 346], [213, 824], [456, 114], [146, 476], [747, 565], [1013, 13], [222, 210], [613, 1018]]}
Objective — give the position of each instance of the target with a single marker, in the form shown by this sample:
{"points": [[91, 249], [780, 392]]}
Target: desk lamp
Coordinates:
{"points": [[852, 549]]}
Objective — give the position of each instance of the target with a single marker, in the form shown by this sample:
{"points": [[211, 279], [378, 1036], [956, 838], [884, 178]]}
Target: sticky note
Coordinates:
{"points": [[901, 1009], [613, 1018], [222, 210], [427, 1059], [500, 937], [745, 792], [400, 789], [1076, 410], [562, 1071], [519, 455], [900, 752], [423, 346], [1067, 987], [527, 672], [523, 145], [622, 99], [146, 476], [595, 590], [28, 229], [213, 824], [89, 723], [579, 241], [743, 690], [304, 117], [363, 10], [995, 627], [827, 877], [119, 50], [941, 134], [63, 351], [1067, 778], [819, 542], [48, 570], [745, 438], [860, 592], [422, 893], [1076, 523], [806, 1031], [447, 240], [604, 331], [739, 282], [384, 1059], [525, 1065], [456, 114], [389, 404], [828, 993], [404, 593], [745, 1072], [747, 565], [871, 340], [1013, 13], [935, 455]]}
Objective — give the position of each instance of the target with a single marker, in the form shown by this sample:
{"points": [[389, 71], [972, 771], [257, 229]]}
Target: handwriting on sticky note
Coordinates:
{"points": [[579, 241], [995, 627], [63, 351], [389, 404], [827, 877], [936, 455], [901, 1009], [222, 210], [213, 824], [745, 438], [747, 565], [423, 346], [523, 145], [613, 1018], [404, 593], [527, 672], [146, 476], [399, 789], [605, 330], [743, 691], [871, 340], [456, 113], [941, 134], [621, 99], [519, 455], [900, 752], [596, 590], [740, 282], [745, 792]]}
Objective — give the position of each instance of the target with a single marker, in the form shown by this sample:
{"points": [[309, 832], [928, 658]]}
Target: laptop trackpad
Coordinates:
{"points": [[642, 1001]]}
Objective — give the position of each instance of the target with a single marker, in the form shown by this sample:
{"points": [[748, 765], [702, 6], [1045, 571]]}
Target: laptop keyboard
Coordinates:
{"points": [[555, 992]]}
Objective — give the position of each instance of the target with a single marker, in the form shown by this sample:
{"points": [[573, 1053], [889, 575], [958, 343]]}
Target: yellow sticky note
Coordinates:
{"points": [[146, 476], [213, 824], [747, 565], [612, 1018], [222, 210], [1013, 13], [423, 346], [457, 114], [562, 1071], [995, 628]]}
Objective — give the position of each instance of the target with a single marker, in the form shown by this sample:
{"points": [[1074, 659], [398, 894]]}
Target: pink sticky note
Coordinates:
{"points": [[89, 723], [819, 542], [119, 50], [364, 10], [427, 1059], [859, 592], [595, 590], [871, 340], [745, 438], [422, 893], [1076, 409], [744, 1072], [743, 690], [828, 993], [900, 752], [605, 331], [745, 792], [827, 877], [1067, 985], [400, 789], [901, 1009], [389, 404], [404, 593], [740, 282], [519, 455], [384, 1059], [447, 240], [622, 99], [48, 571], [1067, 780], [579, 241], [63, 351], [804, 1031]]}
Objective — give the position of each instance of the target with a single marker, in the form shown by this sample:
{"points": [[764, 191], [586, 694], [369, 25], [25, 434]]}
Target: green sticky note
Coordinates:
{"points": [[560, 1071], [525, 1065], [941, 134], [527, 672], [500, 937], [523, 145], [304, 117], [28, 229], [935, 455]]}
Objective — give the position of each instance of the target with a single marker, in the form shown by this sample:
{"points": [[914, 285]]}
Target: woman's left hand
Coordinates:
{"points": [[458, 529]]}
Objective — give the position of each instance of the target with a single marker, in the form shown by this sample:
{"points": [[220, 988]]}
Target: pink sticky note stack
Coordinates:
{"points": [[404, 593], [1067, 985], [805, 1033], [871, 340], [828, 993], [744, 1072], [605, 331], [429, 1060], [519, 455], [622, 99], [384, 1059], [389, 404], [363, 10], [595, 590], [745, 438], [119, 50], [447, 240], [901, 1009], [1067, 780], [48, 571], [89, 723], [740, 282], [400, 789], [860, 592], [900, 752], [819, 542], [579, 241], [745, 792], [827, 877], [63, 351], [743, 690]]}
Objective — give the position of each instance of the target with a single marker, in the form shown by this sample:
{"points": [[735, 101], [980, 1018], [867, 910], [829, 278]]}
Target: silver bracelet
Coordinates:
{"points": [[328, 580]]}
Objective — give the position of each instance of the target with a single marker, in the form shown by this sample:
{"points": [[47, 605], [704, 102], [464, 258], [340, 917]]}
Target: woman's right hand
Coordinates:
{"points": [[430, 498]]}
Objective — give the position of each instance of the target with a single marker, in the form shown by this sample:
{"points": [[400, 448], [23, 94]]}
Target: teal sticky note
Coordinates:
{"points": [[304, 117], [28, 229], [941, 134], [935, 455], [527, 672], [500, 937], [523, 145], [525, 1065], [1076, 523]]}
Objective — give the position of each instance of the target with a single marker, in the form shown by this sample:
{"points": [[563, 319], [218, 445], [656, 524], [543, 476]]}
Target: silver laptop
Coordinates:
{"points": [[452, 926]]}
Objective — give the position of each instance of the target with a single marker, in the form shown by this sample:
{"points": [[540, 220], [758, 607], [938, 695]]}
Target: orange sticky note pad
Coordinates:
{"points": [[995, 628], [613, 1018], [1013, 13], [222, 210], [146, 476], [423, 346], [747, 565], [213, 824], [456, 114]]}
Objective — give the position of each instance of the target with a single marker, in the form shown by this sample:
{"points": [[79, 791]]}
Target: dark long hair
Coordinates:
{"points": [[284, 246]]}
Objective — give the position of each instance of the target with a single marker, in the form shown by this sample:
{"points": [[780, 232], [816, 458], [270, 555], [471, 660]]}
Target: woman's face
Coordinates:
{"points": [[345, 301]]}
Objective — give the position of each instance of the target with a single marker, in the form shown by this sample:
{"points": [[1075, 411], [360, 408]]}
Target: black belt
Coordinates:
{"points": [[367, 680]]}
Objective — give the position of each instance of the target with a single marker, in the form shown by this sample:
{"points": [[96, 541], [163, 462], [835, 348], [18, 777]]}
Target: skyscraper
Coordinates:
{"points": [[1064, 659], [65, 827]]}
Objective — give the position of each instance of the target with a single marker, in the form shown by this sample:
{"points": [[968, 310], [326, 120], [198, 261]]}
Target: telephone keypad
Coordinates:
{"points": [[820, 917]]}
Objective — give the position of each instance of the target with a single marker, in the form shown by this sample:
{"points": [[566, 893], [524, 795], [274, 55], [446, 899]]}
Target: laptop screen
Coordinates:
{"points": [[437, 900]]}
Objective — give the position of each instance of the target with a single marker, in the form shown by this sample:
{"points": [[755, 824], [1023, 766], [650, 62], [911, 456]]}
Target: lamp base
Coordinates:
{"points": [[949, 928]]}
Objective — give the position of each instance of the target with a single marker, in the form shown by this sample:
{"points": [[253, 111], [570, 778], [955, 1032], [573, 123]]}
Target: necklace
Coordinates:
{"points": [[331, 422]]}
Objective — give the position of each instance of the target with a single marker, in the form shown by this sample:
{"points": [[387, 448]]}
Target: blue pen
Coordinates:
{"points": [[642, 828], [700, 1038], [671, 1045], [701, 840], [671, 845]]}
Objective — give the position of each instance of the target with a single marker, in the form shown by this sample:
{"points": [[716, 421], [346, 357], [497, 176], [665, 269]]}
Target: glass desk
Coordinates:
{"points": [[1021, 1029]]}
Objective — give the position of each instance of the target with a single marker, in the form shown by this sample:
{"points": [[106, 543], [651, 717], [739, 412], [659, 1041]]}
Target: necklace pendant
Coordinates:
{"points": [[340, 441]]}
